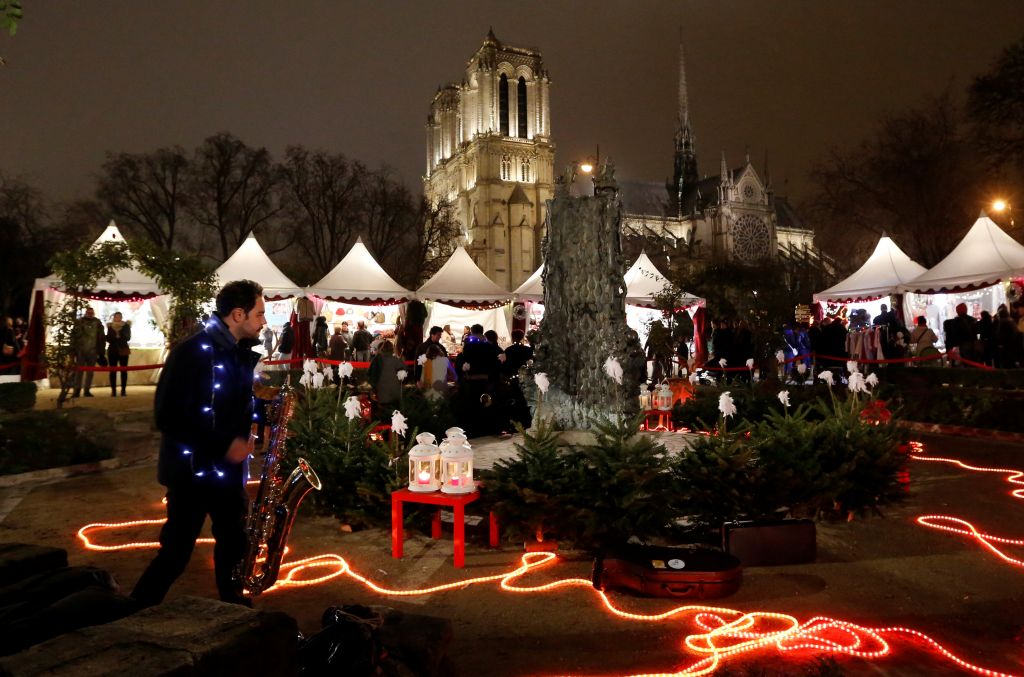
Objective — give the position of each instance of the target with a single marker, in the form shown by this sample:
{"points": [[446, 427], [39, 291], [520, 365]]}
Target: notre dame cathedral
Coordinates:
{"points": [[490, 155]]}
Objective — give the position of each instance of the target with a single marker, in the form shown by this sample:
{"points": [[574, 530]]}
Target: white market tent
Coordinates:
{"points": [[532, 289], [461, 282], [644, 282], [881, 275], [250, 262], [985, 256], [359, 279], [128, 291]]}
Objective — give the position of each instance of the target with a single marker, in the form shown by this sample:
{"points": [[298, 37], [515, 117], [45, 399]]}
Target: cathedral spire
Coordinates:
{"points": [[684, 175], [724, 171], [767, 173]]}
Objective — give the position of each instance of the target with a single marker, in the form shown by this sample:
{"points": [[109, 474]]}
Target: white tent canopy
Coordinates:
{"points": [[358, 278], [985, 256], [461, 282], [885, 270], [644, 282], [533, 288], [129, 282], [250, 262]]}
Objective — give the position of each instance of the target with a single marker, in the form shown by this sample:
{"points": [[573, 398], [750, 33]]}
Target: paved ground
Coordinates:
{"points": [[876, 572]]}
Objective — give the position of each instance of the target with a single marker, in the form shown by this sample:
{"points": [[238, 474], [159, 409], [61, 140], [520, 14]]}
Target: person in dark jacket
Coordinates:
{"points": [[204, 410], [119, 333], [320, 336]]}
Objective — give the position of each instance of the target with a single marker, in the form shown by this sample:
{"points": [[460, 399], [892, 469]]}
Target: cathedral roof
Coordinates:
{"points": [[787, 216], [643, 197], [518, 197]]}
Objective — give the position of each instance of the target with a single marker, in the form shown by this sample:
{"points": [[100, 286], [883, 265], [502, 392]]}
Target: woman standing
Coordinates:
{"points": [[118, 335]]}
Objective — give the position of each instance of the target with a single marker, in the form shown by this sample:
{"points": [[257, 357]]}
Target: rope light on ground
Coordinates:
{"points": [[714, 635]]}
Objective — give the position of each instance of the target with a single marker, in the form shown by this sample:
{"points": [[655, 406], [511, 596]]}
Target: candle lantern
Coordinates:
{"points": [[663, 397], [424, 465], [645, 398], [457, 466]]}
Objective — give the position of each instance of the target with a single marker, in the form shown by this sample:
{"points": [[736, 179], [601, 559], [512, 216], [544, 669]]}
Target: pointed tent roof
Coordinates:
{"points": [[533, 288], [461, 282], [250, 262], [884, 271], [358, 278], [985, 256], [644, 281], [124, 281]]}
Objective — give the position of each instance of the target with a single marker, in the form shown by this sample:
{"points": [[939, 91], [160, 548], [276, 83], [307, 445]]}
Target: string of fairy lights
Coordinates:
{"points": [[718, 633]]}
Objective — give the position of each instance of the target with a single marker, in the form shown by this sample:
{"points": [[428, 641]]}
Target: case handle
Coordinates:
{"points": [[681, 590]]}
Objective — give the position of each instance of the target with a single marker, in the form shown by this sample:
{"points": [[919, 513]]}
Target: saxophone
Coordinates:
{"points": [[275, 505]]}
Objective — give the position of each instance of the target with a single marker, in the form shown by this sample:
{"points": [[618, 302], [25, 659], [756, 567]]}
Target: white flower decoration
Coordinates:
{"points": [[398, 423], [401, 374], [827, 377], [541, 379], [780, 356], [318, 380], [726, 405], [722, 362], [871, 380], [851, 366], [421, 360], [309, 366], [750, 363], [856, 383], [305, 379], [694, 378], [784, 398], [801, 368], [352, 407], [345, 369], [613, 369]]}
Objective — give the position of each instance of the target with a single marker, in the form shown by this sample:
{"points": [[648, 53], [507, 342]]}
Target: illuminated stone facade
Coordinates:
{"points": [[490, 155]]}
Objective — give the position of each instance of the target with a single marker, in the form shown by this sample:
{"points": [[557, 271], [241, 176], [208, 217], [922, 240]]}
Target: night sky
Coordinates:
{"points": [[789, 77]]}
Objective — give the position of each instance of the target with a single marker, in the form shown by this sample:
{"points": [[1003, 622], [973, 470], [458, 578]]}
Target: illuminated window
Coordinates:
{"points": [[521, 107], [524, 170], [503, 104]]}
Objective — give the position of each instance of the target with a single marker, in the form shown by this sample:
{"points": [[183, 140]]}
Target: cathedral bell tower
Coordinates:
{"points": [[489, 154]]}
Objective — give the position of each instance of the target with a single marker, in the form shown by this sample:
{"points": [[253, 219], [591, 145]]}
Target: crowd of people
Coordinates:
{"points": [[12, 344]]}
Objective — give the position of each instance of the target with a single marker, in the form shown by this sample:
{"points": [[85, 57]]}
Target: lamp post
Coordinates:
{"points": [[1003, 208]]}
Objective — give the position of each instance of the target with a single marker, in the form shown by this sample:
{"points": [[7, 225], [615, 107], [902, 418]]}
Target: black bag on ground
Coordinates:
{"points": [[771, 542], [654, 571], [349, 644]]}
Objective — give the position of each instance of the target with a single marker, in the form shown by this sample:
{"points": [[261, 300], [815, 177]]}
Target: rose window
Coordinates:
{"points": [[751, 239]]}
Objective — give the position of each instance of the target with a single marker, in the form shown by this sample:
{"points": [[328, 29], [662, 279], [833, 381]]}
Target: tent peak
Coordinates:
{"points": [[982, 214]]}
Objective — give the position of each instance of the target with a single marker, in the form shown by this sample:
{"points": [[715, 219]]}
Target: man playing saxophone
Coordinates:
{"points": [[204, 410]]}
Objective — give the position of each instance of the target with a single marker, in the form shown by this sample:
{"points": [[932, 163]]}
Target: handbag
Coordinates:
{"points": [[124, 351]]}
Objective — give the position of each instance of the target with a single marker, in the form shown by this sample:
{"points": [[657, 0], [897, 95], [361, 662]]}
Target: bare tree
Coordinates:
{"points": [[996, 106], [232, 189], [437, 235], [918, 178], [146, 192], [25, 240], [323, 195], [388, 218]]}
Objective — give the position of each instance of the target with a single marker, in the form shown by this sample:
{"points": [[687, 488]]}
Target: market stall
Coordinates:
{"points": [[463, 295], [979, 272], [128, 291]]}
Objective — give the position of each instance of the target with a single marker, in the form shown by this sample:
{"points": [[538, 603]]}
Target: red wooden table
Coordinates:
{"points": [[457, 502]]}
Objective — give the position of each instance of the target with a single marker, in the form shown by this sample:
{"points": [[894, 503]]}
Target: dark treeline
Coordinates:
{"points": [[924, 174], [307, 209]]}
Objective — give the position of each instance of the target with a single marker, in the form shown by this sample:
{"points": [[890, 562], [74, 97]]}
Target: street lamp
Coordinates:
{"points": [[1002, 207]]}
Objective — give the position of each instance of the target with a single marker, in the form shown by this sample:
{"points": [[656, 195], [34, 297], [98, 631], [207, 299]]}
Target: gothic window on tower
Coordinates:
{"points": [[506, 167], [521, 107], [503, 103], [524, 170]]}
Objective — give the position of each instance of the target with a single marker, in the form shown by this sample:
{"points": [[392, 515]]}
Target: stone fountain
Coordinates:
{"points": [[585, 309]]}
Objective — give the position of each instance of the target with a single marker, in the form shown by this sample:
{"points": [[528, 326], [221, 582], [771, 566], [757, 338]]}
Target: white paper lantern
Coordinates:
{"points": [[645, 398], [457, 466], [424, 465]]}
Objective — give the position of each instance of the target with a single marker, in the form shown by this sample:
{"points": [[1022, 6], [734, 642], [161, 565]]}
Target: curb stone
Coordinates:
{"points": [[963, 431]]}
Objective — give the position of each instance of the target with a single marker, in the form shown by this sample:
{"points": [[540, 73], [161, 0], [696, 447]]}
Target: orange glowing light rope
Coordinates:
{"points": [[956, 525], [721, 634]]}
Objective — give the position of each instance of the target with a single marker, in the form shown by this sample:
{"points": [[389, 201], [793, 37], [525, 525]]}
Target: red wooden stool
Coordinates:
{"points": [[457, 502]]}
